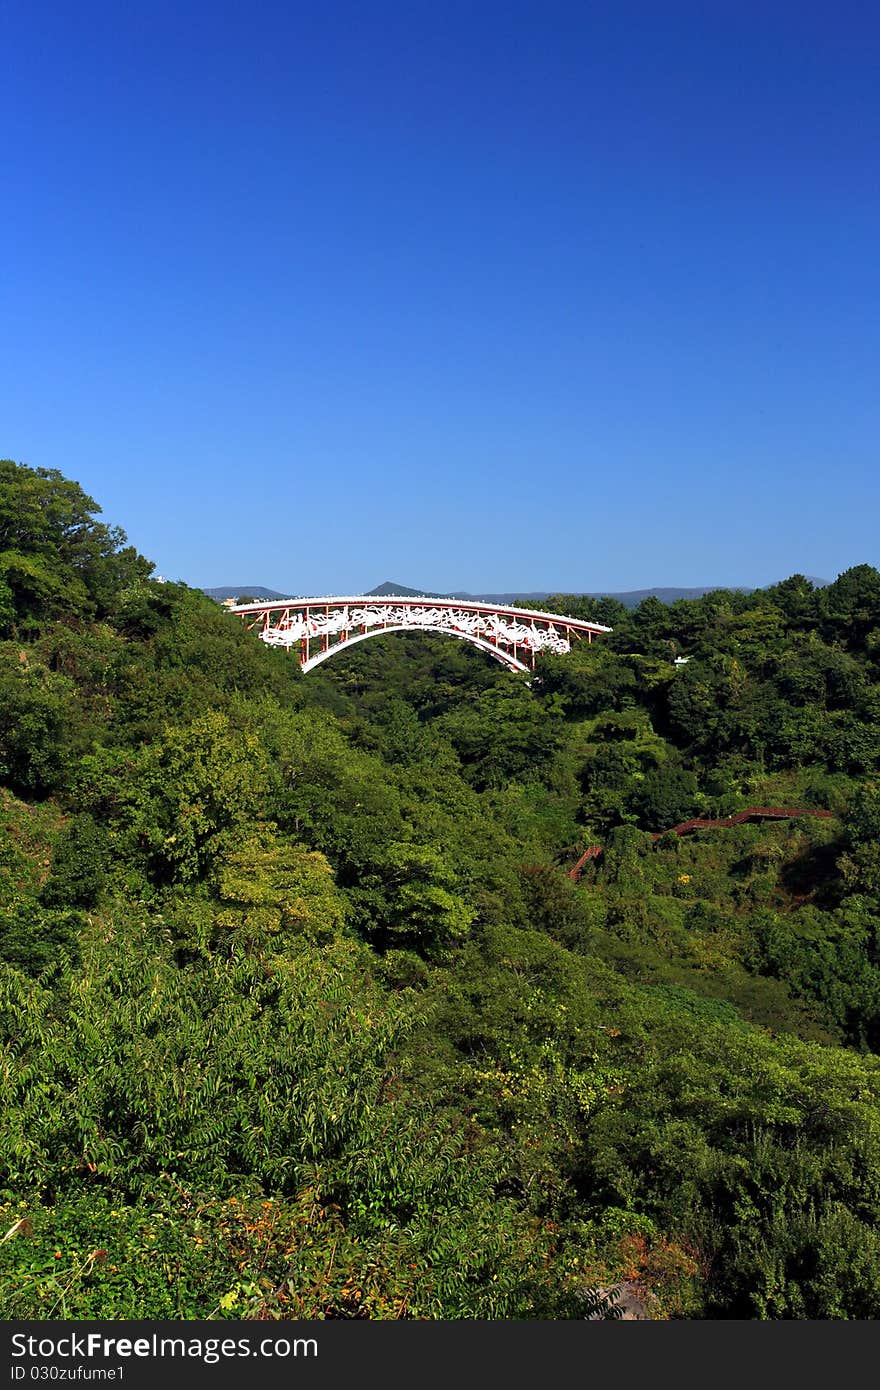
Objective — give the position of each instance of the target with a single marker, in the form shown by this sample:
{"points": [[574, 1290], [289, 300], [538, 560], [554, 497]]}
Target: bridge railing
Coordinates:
{"points": [[505, 630]]}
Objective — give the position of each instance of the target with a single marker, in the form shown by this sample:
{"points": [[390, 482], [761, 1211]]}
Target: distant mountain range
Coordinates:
{"points": [[630, 598]]}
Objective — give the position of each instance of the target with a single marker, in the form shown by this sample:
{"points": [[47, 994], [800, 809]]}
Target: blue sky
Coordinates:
{"points": [[471, 295]]}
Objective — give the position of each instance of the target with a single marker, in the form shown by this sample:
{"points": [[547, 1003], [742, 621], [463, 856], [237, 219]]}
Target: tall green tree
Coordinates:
{"points": [[56, 557]]}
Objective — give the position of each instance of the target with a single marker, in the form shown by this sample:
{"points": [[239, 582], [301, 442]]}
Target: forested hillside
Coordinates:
{"points": [[303, 1015]]}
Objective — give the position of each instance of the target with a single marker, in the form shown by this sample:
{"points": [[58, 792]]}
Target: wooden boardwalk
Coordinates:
{"points": [[702, 823]]}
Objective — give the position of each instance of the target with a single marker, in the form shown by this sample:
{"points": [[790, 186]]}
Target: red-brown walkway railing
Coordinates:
{"points": [[702, 823]]}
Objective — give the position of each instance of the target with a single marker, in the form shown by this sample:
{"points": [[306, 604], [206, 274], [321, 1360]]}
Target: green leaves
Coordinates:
{"points": [[55, 557], [500, 734], [39, 724], [408, 898], [301, 1015], [272, 890], [183, 798], [221, 1070], [79, 865]]}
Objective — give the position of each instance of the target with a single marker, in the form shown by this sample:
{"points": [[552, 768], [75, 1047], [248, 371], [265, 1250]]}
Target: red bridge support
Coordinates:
{"points": [[513, 636]]}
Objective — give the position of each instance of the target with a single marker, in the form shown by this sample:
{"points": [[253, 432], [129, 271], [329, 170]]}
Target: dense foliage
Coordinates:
{"points": [[302, 1015]]}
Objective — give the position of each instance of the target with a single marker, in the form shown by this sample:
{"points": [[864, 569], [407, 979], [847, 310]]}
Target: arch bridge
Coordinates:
{"points": [[318, 628]]}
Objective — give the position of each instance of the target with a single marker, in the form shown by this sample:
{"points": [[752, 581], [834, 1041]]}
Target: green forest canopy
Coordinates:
{"points": [[299, 998]]}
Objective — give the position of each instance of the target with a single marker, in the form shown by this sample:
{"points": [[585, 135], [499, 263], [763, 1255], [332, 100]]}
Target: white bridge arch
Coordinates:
{"points": [[511, 635]]}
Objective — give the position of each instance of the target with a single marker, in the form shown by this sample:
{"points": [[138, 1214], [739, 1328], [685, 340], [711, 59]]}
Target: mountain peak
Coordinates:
{"points": [[389, 589]]}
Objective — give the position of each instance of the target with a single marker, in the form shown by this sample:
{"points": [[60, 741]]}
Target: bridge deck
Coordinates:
{"points": [[428, 601]]}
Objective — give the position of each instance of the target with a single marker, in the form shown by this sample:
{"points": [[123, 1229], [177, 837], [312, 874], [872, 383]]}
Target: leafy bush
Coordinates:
{"points": [[79, 865]]}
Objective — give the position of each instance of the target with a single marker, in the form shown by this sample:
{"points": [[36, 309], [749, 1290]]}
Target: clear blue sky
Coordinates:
{"points": [[470, 295]]}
